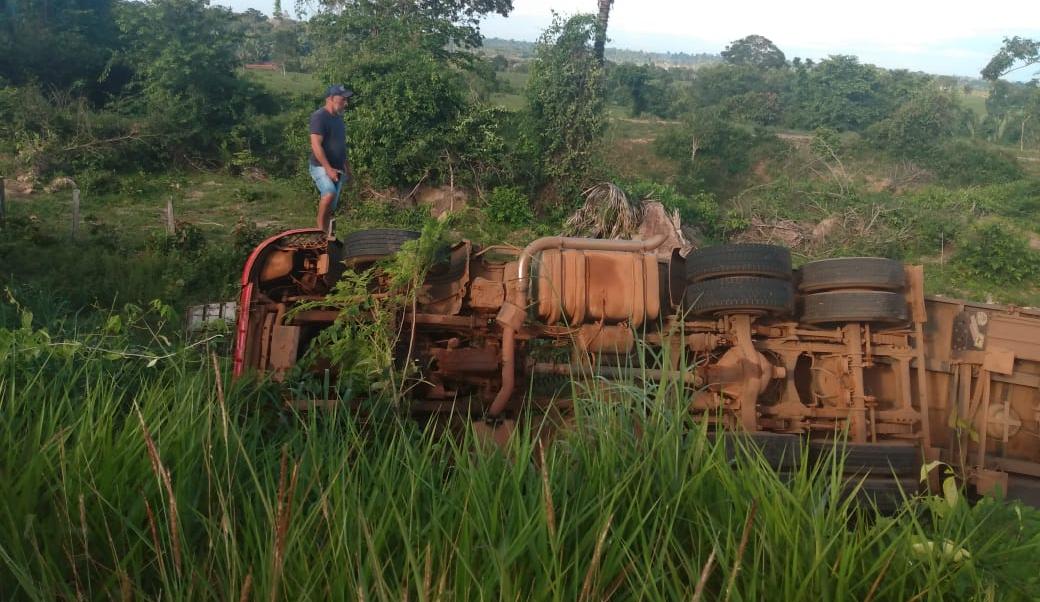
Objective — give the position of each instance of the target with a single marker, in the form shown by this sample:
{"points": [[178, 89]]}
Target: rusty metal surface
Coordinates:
{"points": [[575, 286], [962, 381]]}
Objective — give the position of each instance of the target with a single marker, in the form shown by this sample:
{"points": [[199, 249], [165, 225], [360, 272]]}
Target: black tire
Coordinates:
{"points": [[876, 273], [740, 294], [886, 494], [878, 460], [779, 450], [370, 245], [738, 260], [833, 307]]}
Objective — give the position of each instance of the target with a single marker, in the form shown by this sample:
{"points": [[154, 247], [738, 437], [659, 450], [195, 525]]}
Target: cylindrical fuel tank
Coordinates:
{"points": [[581, 287]]}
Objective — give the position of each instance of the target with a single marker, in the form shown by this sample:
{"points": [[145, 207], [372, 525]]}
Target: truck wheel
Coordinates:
{"points": [[886, 494], [779, 450], [875, 273], [365, 246], [879, 460], [740, 294], [833, 307], [738, 260]]}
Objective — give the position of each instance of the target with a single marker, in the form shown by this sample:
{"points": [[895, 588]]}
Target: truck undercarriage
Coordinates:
{"points": [[846, 348]]}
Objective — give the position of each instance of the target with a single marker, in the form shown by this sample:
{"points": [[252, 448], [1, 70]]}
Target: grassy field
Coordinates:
{"points": [[214, 202], [136, 469], [292, 83], [976, 101]]}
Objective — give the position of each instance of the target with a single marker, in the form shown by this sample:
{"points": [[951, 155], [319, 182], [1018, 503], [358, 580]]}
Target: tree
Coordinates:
{"points": [[743, 92], [841, 93], [711, 152], [565, 100], [183, 55], [630, 82], [1022, 52], [406, 60], [441, 27], [918, 128], [602, 19], [254, 31], [754, 51], [63, 44]]}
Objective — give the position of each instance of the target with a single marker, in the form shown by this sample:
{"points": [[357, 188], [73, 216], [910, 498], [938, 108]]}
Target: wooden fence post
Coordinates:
{"points": [[75, 212], [171, 225]]}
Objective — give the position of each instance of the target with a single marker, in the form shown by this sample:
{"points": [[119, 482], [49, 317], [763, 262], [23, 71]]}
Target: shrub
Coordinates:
{"points": [[993, 251], [566, 103], [186, 238], [918, 127], [508, 205], [967, 162], [711, 152], [825, 143]]}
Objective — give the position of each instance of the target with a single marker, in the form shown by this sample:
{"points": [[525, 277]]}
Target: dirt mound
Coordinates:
{"points": [[442, 199], [657, 220]]}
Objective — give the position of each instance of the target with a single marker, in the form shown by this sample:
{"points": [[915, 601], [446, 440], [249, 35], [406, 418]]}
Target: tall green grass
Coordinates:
{"points": [[126, 478]]}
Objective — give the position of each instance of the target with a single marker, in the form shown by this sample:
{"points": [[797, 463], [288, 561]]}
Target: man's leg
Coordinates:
{"points": [[325, 212]]}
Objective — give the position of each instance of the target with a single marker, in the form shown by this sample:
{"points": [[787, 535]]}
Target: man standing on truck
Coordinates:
{"points": [[329, 166]]}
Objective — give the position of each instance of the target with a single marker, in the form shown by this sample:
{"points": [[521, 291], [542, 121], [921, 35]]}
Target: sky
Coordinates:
{"points": [[950, 37]]}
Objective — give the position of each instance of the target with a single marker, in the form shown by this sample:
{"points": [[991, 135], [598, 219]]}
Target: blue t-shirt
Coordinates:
{"points": [[333, 137]]}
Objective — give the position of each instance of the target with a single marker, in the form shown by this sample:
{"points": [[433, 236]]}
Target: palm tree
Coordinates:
{"points": [[601, 33]]}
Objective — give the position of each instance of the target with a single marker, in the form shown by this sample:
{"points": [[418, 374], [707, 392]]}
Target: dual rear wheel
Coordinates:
{"points": [[756, 278]]}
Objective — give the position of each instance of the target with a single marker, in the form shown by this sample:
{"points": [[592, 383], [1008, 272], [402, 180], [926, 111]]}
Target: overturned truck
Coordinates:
{"points": [[847, 348]]}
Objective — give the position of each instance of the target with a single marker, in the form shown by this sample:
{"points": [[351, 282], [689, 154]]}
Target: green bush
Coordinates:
{"points": [[993, 251], [383, 214], [566, 104], [967, 162], [508, 205], [699, 210], [919, 126]]}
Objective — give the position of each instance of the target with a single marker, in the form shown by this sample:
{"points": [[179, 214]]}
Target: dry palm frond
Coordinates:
{"points": [[606, 213]]}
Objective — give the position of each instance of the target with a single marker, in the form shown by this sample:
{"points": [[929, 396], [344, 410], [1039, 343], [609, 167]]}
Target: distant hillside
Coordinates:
{"points": [[519, 49]]}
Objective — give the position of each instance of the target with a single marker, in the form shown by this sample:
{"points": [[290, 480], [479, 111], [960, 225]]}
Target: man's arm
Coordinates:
{"points": [[319, 154]]}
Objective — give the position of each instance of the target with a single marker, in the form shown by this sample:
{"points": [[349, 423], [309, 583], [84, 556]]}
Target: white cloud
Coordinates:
{"points": [[953, 36], [821, 22]]}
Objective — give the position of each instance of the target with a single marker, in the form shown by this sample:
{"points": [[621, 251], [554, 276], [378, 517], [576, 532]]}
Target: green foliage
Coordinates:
{"points": [[712, 153], [412, 118], [509, 205], [1012, 113], [825, 144], [362, 341], [1016, 50], [742, 92], [754, 51], [700, 210], [566, 103], [152, 469], [968, 162], [186, 238], [919, 127], [842, 94], [182, 53], [63, 44], [54, 133], [995, 252], [642, 88], [377, 212]]}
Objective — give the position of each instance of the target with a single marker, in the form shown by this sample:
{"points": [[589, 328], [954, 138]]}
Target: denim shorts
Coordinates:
{"points": [[325, 185]]}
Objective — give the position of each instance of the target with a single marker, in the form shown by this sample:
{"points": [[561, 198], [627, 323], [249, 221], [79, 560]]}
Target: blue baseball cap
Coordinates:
{"points": [[338, 90]]}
